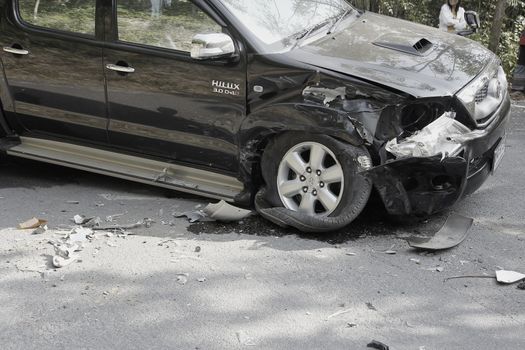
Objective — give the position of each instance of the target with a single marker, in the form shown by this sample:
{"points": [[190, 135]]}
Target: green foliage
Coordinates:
{"points": [[427, 12]]}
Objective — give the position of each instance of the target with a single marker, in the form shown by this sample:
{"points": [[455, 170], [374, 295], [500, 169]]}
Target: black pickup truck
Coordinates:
{"points": [[298, 107]]}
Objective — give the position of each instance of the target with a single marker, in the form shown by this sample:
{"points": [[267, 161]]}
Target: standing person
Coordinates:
{"points": [[452, 17]]}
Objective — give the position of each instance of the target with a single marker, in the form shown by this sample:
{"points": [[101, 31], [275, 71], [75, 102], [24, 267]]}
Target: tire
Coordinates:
{"points": [[318, 205]]}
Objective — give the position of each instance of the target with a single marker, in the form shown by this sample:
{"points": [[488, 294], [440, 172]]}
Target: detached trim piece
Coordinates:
{"points": [[454, 232], [177, 177]]}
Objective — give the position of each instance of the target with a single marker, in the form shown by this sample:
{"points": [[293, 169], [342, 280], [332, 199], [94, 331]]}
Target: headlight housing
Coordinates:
{"points": [[483, 95]]}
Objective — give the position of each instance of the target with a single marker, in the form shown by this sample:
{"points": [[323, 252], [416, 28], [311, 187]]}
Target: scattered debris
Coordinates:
{"points": [[64, 254], [390, 252], [225, 212], [72, 202], [509, 277], [440, 269], [417, 261], [374, 344], [351, 254], [244, 339], [93, 222], [111, 244], [111, 218], [60, 262], [182, 278], [80, 234], [351, 325], [454, 231], [80, 219], [521, 285], [338, 313], [201, 279], [32, 223], [370, 306], [197, 249], [221, 211], [146, 222], [193, 216], [40, 230]]}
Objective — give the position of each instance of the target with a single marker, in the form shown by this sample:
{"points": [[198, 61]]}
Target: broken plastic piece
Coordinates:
{"points": [[509, 277], [193, 216], [40, 230], [59, 261], [441, 137], [32, 223], [454, 232], [225, 212], [374, 344], [143, 223], [80, 234]]}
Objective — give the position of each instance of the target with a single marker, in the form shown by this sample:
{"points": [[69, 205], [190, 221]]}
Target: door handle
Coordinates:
{"points": [[120, 69], [16, 51]]}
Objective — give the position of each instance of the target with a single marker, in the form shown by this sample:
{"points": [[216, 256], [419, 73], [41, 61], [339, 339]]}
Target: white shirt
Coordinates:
{"points": [[447, 18]]}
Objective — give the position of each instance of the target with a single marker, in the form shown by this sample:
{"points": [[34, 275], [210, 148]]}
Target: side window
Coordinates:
{"points": [[167, 24], [66, 15]]}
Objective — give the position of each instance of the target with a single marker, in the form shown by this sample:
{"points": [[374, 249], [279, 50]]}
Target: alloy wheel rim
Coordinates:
{"points": [[310, 179]]}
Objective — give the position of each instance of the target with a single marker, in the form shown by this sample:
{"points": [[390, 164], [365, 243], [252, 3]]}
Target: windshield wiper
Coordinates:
{"points": [[306, 33], [339, 20]]}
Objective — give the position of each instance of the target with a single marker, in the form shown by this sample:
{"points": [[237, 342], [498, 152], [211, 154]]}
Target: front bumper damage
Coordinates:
{"points": [[440, 165]]}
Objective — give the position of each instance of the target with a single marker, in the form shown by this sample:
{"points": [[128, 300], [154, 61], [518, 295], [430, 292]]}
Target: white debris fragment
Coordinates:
{"points": [[223, 211], [80, 234], [182, 278], [59, 261], [110, 218], [79, 219], [441, 137], [509, 277], [339, 313], [201, 279], [244, 339], [40, 230]]}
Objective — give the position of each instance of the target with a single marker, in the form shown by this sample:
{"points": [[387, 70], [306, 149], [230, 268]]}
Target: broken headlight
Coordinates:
{"points": [[415, 117]]}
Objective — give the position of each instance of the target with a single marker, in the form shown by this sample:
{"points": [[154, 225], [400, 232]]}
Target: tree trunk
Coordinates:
{"points": [[497, 25], [35, 12]]}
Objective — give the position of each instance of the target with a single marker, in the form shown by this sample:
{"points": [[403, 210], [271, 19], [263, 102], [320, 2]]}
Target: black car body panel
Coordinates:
{"points": [[362, 84]]}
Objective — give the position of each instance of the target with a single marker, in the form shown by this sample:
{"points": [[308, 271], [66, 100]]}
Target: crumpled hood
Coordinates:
{"points": [[396, 54]]}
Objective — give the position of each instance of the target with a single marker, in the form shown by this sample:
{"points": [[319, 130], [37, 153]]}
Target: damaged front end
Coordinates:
{"points": [[437, 166]]}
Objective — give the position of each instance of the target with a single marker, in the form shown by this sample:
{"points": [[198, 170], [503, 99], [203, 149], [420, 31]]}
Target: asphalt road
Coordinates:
{"points": [[251, 284]]}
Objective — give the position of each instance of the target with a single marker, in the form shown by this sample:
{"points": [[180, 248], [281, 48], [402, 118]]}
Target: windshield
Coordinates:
{"points": [[279, 24]]}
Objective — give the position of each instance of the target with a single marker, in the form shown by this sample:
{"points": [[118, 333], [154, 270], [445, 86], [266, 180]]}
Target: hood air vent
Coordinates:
{"points": [[422, 47]]}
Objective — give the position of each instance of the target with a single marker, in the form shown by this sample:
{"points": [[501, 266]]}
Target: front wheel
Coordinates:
{"points": [[316, 177]]}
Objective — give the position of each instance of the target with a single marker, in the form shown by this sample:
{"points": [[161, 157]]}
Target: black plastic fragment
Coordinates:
{"points": [[454, 231], [374, 344]]}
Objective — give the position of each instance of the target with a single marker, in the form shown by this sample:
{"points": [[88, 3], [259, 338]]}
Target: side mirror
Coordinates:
{"points": [[472, 19], [212, 46]]}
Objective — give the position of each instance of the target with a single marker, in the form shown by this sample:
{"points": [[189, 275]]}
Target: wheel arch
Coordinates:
{"points": [[259, 128]]}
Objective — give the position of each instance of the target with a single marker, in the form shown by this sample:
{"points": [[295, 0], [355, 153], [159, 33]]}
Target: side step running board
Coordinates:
{"points": [[127, 167]]}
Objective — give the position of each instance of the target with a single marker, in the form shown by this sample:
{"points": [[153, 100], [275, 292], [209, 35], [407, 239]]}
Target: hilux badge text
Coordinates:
{"points": [[226, 88]]}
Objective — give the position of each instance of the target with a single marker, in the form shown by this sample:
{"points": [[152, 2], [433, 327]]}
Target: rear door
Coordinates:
{"points": [[163, 103], [52, 56]]}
